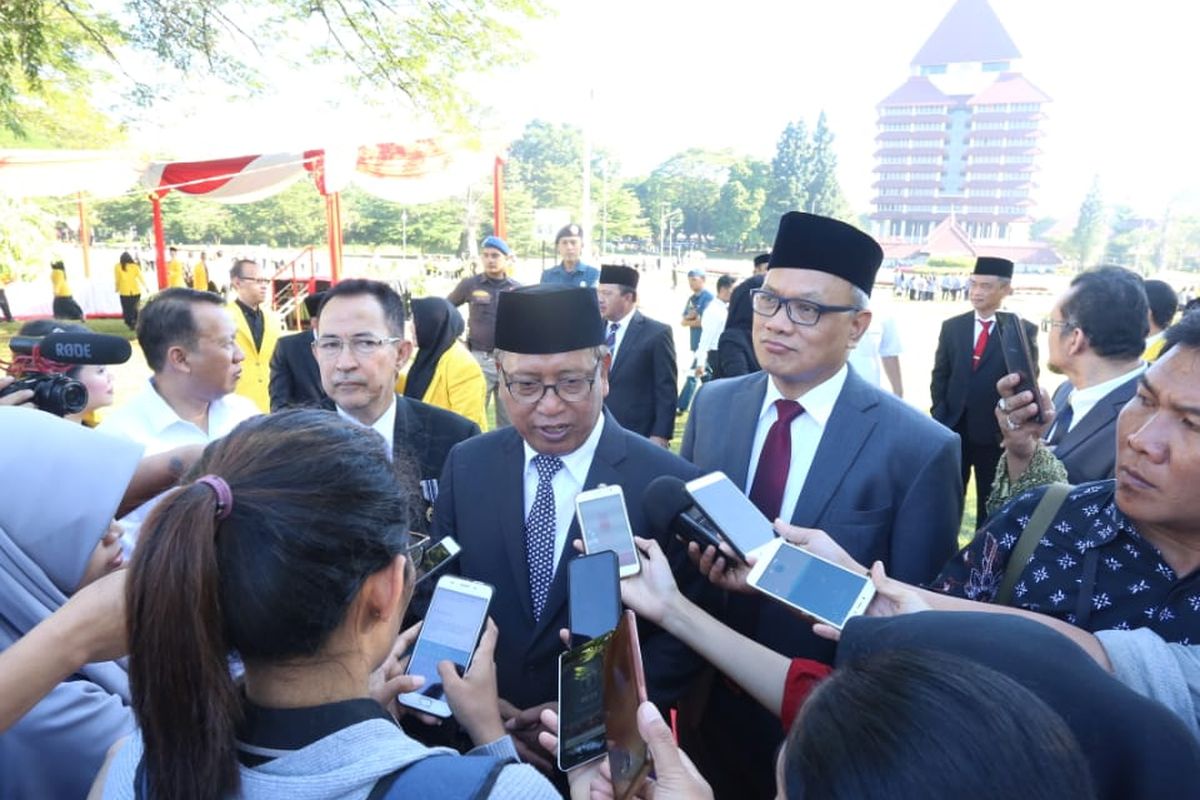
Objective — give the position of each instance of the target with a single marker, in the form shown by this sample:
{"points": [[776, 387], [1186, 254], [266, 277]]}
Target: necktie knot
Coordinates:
{"points": [[987, 325], [788, 410], [613, 327], [547, 466]]}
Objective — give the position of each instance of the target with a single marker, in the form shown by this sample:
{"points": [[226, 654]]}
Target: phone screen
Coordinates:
{"points": [[814, 585], [434, 557], [581, 703], [739, 519], [606, 527], [624, 691], [595, 591], [451, 628]]}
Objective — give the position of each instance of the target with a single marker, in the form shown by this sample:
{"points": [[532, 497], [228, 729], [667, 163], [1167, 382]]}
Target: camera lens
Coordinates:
{"points": [[60, 395]]}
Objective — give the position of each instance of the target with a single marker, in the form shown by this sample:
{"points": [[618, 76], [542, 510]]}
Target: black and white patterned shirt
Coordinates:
{"points": [[1091, 568]]}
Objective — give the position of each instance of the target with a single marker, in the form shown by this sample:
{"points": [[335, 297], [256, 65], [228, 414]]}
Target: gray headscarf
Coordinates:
{"points": [[60, 484]]}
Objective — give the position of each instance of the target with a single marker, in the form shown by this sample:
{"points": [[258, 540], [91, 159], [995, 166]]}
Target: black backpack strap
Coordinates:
{"points": [[1045, 512], [467, 777]]}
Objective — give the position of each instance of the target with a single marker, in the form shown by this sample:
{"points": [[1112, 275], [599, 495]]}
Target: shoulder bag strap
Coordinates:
{"points": [[1045, 512]]}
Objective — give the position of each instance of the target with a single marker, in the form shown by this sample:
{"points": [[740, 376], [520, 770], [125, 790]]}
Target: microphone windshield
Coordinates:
{"points": [[75, 348], [664, 499]]}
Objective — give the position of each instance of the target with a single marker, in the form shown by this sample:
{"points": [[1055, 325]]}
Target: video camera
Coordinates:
{"points": [[40, 363]]}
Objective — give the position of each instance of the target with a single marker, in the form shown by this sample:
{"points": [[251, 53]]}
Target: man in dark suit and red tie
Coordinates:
{"points": [[968, 364]]}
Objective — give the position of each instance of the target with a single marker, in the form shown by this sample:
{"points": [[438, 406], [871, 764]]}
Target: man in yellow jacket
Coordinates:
{"points": [[200, 274], [257, 330], [174, 269], [129, 284]]}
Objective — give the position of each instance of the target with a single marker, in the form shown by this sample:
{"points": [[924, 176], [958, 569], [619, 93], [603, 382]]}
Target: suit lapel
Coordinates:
{"points": [[849, 427], [1100, 417], [742, 422], [511, 516], [610, 451], [632, 338]]}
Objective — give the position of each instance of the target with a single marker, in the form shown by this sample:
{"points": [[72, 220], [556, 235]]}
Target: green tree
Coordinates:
{"points": [[548, 160], [689, 182], [26, 232], [790, 177], [1131, 240], [1088, 236], [740, 204], [293, 218], [421, 50], [823, 192]]}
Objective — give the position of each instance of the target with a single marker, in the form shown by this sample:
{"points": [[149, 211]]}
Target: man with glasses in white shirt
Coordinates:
{"points": [[360, 348]]}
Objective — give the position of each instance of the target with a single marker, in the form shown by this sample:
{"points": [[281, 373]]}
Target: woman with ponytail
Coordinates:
{"points": [[297, 566]]}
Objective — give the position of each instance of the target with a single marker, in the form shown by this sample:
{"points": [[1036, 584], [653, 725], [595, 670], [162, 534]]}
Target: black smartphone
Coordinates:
{"points": [[1018, 358], [595, 595], [581, 731]]}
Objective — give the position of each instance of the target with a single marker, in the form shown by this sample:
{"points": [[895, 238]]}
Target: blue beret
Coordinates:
{"points": [[496, 242]]}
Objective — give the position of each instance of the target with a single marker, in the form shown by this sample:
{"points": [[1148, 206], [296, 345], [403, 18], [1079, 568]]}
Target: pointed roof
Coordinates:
{"points": [[1009, 88], [970, 31], [948, 238], [916, 91]]}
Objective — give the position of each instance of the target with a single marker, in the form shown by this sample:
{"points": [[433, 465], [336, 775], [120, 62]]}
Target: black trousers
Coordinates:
{"points": [[8, 317], [980, 457], [129, 309]]}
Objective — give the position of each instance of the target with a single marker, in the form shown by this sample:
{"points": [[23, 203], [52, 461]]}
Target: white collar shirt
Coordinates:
{"points": [[567, 482], [979, 327], [806, 430], [623, 329], [385, 426], [712, 325], [149, 420], [1082, 401]]}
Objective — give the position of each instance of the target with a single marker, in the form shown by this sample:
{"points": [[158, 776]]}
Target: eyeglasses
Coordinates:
{"points": [[802, 312], [1049, 324], [254, 280], [331, 346], [569, 390]]}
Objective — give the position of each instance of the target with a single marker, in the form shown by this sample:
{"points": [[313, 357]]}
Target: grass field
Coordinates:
{"points": [[919, 324]]}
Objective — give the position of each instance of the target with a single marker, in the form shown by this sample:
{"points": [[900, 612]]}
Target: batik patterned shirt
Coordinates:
{"points": [[1091, 568]]}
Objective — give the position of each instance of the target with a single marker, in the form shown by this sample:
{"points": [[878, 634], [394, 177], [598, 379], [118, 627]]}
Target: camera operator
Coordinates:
{"points": [[95, 378]]}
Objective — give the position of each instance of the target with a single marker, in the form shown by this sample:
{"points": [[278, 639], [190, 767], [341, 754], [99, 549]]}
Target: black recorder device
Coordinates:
{"points": [[40, 363]]}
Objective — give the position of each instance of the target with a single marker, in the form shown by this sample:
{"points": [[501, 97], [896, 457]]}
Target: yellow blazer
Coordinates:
{"points": [[457, 385], [200, 276], [59, 281], [256, 369], [175, 274], [129, 279]]}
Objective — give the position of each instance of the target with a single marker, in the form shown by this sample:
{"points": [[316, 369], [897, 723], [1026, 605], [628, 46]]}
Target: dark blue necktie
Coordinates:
{"points": [[540, 530], [611, 338]]}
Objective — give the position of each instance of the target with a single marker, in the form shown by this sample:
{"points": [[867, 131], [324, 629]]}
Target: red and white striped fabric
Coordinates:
{"points": [[244, 179]]}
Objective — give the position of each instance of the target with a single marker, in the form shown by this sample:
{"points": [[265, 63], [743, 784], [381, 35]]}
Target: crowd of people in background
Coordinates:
{"points": [[247, 530]]}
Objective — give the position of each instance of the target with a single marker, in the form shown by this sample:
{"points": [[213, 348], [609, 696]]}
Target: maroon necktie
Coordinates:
{"points": [[770, 477], [980, 343]]}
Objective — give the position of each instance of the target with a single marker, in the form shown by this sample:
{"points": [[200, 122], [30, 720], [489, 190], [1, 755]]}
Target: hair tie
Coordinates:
{"points": [[224, 495]]}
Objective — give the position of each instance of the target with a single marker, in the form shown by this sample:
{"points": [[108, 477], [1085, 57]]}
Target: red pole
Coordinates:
{"points": [[160, 244], [499, 222]]}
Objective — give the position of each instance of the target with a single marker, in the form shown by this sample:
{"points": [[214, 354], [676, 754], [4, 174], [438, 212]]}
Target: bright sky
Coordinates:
{"points": [[669, 75]]}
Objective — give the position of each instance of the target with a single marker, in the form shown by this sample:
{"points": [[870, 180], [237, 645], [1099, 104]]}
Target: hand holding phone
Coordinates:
{"points": [[1018, 358], [629, 760], [813, 586], [737, 519]]}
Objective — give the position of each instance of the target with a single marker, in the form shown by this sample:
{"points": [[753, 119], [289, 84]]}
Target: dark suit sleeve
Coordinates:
{"points": [[687, 449], [1031, 332], [281, 385], [925, 532], [666, 385], [443, 506], [941, 373], [731, 359]]}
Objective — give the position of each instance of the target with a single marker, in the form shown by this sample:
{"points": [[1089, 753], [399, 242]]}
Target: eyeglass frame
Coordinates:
{"points": [[785, 303], [591, 382], [376, 342], [1049, 324]]}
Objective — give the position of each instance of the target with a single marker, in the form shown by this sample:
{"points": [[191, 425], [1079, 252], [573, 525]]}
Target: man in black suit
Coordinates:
{"points": [[642, 380], [508, 497], [360, 348], [968, 363], [295, 376]]}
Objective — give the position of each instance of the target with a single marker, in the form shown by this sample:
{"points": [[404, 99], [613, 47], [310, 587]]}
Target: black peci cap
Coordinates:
{"points": [[622, 275], [807, 241], [544, 319], [988, 265]]}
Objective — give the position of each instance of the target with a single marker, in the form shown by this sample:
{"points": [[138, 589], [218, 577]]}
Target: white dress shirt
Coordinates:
{"points": [[1082, 401], [806, 430], [712, 324], [567, 483], [621, 331], [385, 426], [150, 421], [882, 340]]}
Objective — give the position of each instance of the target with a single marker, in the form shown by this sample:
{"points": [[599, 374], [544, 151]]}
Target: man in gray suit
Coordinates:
{"points": [[816, 445]]}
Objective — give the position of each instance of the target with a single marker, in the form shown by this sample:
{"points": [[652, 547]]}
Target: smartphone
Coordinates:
{"points": [[810, 584], [594, 582], [451, 631], [1018, 357], [436, 556], [624, 690], [604, 524], [581, 731], [741, 523]]}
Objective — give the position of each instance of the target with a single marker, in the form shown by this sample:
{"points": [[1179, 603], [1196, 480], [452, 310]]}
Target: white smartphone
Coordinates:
{"points": [[436, 556], [452, 626], [604, 524], [808, 583], [739, 520]]}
